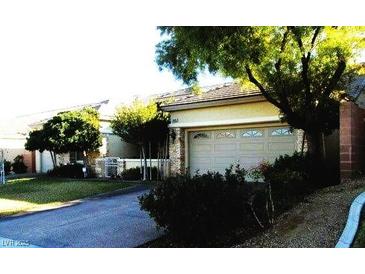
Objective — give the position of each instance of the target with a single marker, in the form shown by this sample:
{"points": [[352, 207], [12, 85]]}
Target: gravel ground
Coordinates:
{"points": [[316, 222]]}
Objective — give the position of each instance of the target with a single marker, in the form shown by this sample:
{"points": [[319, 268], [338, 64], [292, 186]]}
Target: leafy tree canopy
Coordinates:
{"points": [[78, 130], [68, 131], [298, 69], [140, 123], [36, 141]]}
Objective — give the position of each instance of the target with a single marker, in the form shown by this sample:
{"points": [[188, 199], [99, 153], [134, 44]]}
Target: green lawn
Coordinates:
{"points": [[27, 194]]}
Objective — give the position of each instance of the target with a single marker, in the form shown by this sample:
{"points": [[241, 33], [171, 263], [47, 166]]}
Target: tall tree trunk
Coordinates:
{"points": [[150, 152], [315, 150], [145, 163], [166, 157], [141, 165], [324, 153], [162, 161], [85, 161], [315, 145], [303, 143], [53, 160], [158, 162]]}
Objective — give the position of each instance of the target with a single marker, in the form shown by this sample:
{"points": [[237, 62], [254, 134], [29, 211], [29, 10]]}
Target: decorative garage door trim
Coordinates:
{"points": [[216, 150], [252, 133]]}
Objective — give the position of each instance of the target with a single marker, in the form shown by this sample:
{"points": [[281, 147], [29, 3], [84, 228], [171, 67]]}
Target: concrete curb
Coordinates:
{"points": [[125, 190], [353, 221]]}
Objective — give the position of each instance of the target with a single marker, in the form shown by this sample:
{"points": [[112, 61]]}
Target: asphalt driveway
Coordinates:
{"points": [[114, 221]]}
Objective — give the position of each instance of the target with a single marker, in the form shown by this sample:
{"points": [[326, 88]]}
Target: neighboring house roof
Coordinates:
{"points": [[228, 93], [223, 94], [37, 119]]}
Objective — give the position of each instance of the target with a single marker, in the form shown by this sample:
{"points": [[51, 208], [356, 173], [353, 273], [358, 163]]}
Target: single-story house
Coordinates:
{"points": [[226, 125], [112, 146], [223, 125]]}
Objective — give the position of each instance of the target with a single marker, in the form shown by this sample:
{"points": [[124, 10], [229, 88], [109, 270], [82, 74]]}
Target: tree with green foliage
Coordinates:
{"points": [[300, 70], [143, 125], [79, 130], [42, 139], [68, 131]]}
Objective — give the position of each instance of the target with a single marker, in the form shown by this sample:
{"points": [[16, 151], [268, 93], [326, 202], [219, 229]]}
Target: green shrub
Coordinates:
{"points": [[67, 171], [257, 173], [134, 174], [198, 209], [7, 167], [293, 177], [18, 165]]}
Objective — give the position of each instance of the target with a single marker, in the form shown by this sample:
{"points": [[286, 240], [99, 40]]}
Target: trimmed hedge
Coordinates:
{"points": [[134, 174]]}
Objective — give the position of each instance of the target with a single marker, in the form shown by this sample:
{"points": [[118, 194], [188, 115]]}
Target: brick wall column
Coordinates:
{"points": [[177, 151], [352, 139]]}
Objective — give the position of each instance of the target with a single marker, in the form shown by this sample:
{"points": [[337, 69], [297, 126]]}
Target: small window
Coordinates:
{"points": [[225, 134], [281, 132], [252, 133], [201, 135]]}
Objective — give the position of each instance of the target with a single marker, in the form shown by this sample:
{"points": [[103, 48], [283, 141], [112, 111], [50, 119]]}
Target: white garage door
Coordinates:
{"points": [[215, 150]]}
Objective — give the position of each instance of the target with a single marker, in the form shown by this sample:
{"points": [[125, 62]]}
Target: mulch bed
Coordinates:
{"points": [[316, 222]]}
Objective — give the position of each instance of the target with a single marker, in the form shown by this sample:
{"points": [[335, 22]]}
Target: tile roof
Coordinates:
{"points": [[37, 119], [356, 91], [211, 93], [356, 87]]}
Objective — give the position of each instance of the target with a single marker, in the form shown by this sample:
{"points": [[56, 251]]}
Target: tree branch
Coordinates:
{"points": [[298, 39], [282, 48], [315, 35], [305, 66], [283, 97], [335, 78], [305, 61], [261, 88]]}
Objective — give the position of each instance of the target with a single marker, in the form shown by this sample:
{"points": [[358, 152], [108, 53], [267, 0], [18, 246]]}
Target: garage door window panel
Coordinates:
{"points": [[226, 135], [201, 136], [280, 132], [252, 133]]}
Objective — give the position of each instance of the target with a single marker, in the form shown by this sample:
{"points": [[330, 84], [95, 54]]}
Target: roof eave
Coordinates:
{"points": [[213, 103]]}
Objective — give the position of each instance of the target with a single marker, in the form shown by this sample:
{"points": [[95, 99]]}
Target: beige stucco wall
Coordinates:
{"points": [[255, 112], [117, 148], [113, 146]]}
